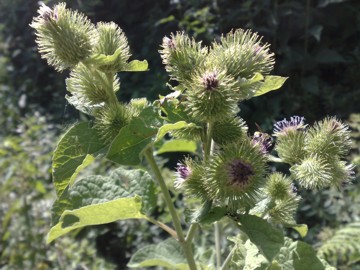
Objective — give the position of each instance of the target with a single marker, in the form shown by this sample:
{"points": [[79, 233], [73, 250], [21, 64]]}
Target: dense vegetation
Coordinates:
{"points": [[316, 45]]}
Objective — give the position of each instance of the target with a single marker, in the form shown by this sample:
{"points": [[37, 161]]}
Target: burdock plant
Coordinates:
{"points": [[229, 176]]}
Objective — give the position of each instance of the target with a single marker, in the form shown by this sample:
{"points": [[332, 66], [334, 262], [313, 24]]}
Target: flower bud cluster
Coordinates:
{"points": [[233, 176], [210, 76], [94, 54], [284, 200], [315, 153]]}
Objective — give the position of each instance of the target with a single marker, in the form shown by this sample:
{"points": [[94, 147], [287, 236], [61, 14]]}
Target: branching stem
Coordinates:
{"points": [[175, 218]]}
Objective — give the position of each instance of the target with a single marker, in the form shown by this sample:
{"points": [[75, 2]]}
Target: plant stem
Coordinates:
{"points": [[175, 218], [110, 88], [228, 259], [191, 232], [217, 230], [164, 227]]}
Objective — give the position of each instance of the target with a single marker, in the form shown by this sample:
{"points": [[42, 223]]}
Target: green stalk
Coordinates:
{"points": [[217, 230], [175, 218], [110, 88], [208, 152], [228, 259], [191, 232]]}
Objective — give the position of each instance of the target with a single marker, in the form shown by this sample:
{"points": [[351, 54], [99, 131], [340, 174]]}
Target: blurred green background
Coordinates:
{"points": [[316, 45]]}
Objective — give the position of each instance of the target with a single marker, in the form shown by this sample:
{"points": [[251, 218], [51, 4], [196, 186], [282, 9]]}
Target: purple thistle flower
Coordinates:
{"points": [[240, 173], [169, 42], [182, 174], [295, 123], [47, 13], [210, 80]]}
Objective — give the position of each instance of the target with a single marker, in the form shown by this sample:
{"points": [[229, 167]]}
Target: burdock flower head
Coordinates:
{"points": [[242, 55], [285, 126], [235, 175], [182, 174], [211, 95], [63, 36], [330, 138], [182, 55], [290, 144], [189, 177]]}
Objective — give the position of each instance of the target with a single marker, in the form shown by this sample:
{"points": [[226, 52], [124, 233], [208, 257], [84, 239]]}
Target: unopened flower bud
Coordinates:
{"points": [[63, 36]]}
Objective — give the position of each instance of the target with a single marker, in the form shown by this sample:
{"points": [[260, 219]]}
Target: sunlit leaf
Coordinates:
{"points": [[177, 146], [268, 239], [75, 150]]}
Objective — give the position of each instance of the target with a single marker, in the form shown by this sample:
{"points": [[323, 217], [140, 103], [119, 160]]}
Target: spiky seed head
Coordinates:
{"points": [[137, 105], [235, 175], [190, 178], [284, 211], [110, 119], [264, 141], [211, 96], [242, 55], [329, 138], [278, 186], [290, 145], [109, 39], [63, 36], [229, 130], [342, 173], [313, 172], [284, 126], [182, 55], [88, 89]]}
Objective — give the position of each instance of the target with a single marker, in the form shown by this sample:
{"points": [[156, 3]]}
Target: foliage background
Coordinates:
{"points": [[316, 43]]}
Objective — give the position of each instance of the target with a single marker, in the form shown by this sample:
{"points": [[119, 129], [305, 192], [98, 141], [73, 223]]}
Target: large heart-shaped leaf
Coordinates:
{"points": [[268, 239], [75, 150], [82, 204], [167, 254]]}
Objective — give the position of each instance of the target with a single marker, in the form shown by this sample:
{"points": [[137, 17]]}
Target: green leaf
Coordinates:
{"points": [[95, 193], [173, 110], [271, 83], [258, 77], [169, 127], [302, 229], [75, 150], [134, 138], [165, 20], [208, 214], [315, 31], [136, 65], [304, 257], [103, 59], [167, 254], [268, 239], [128, 145], [119, 209], [177, 146]]}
